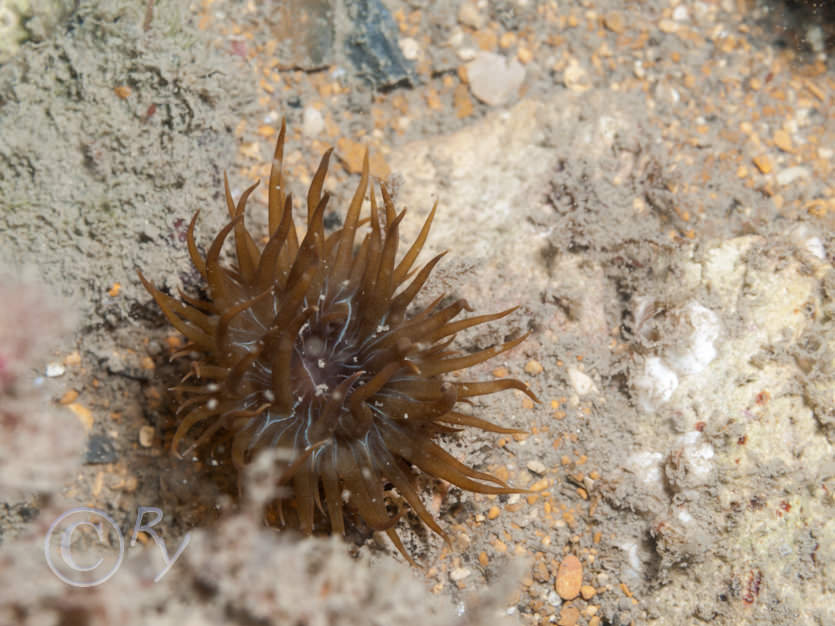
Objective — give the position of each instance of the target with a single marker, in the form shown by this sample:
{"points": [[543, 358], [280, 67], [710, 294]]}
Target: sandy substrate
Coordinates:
{"points": [[650, 182]]}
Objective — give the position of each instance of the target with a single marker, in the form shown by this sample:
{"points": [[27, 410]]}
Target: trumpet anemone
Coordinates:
{"points": [[312, 346]]}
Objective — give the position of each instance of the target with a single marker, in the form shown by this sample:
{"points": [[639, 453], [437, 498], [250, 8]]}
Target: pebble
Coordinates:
{"points": [[54, 370], [409, 47], [580, 381], [467, 54], [493, 79], [352, 154], [83, 414], [667, 26], [638, 69], [100, 450], [313, 123], [791, 174], [540, 572], [614, 22], [763, 163], [469, 15], [539, 485], [783, 141], [524, 55], [70, 396], [533, 367], [569, 615], [304, 30], [575, 77], [537, 467], [146, 436], [459, 573], [569, 577], [372, 45], [463, 102]]}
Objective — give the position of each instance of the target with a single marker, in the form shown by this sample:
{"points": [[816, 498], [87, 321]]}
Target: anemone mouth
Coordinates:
{"points": [[309, 345]]}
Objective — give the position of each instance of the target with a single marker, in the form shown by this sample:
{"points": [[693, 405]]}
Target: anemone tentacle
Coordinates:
{"points": [[308, 345]]}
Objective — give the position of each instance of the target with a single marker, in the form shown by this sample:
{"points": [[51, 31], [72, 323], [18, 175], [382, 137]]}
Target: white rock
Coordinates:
{"points": [[537, 467], [493, 79], [815, 246], [655, 384], [695, 355], [313, 123], [54, 370], [456, 38], [409, 47], [696, 454], [634, 561], [803, 237], [459, 573], [791, 174], [580, 381], [470, 15], [646, 466], [575, 77], [638, 68], [466, 53]]}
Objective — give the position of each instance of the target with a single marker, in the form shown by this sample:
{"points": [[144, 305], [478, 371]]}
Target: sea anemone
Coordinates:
{"points": [[311, 347]]}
